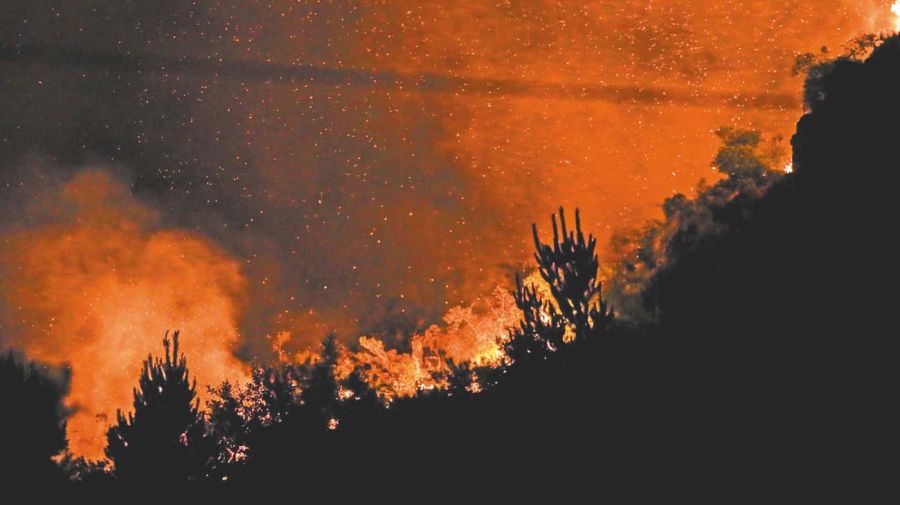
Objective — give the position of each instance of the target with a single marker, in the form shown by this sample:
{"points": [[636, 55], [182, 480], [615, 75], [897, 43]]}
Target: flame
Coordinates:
{"points": [[95, 286], [472, 334], [895, 10], [97, 281]]}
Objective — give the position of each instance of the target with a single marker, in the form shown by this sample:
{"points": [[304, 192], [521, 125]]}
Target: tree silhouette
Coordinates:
{"points": [[32, 426], [320, 389], [541, 329], [164, 439], [569, 267]]}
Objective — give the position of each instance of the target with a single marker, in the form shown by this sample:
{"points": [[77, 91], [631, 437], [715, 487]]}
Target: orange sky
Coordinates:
{"points": [[429, 186]]}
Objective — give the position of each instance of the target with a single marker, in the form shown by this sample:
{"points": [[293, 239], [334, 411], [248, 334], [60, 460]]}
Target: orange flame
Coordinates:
{"points": [[97, 281], [96, 285], [472, 334], [895, 9]]}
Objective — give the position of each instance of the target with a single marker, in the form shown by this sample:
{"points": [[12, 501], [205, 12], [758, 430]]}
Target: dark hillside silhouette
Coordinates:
{"points": [[776, 321]]}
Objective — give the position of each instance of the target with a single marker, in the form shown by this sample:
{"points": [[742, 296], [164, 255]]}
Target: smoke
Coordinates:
{"points": [[354, 78], [93, 280]]}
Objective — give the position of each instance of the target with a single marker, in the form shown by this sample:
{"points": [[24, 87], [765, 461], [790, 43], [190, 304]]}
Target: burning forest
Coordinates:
{"points": [[521, 245]]}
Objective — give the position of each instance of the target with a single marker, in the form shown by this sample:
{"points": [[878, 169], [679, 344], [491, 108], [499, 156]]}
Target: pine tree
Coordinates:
{"points": [[320, 390], [569, 267], [541, 329], [164, 439]]}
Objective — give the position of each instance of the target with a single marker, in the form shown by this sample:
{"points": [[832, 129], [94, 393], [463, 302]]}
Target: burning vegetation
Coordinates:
{"points": [[88, 283]]}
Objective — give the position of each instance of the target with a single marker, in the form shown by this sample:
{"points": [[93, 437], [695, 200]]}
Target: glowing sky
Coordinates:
{"points": [[362, 202]]}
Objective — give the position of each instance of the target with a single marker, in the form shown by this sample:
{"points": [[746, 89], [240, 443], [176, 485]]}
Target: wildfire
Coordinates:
{"points": [[96, 285], [97, 282], [472, 335]]}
